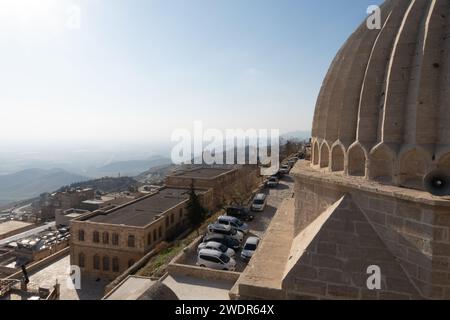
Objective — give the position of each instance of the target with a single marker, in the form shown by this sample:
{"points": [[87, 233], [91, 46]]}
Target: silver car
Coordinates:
{"points": [[215, 260], [249, 248], [218, 247], [227, 230], [259, 202], [234, 222]]}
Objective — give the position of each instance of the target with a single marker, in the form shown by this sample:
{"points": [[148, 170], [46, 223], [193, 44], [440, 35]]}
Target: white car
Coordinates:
{"points": [[249, 248], [215, 260], [259, 202], [218, 247], [234, 223], [227, 230]]}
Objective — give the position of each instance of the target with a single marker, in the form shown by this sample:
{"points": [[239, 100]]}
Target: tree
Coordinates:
{"points": [[196, 214]]}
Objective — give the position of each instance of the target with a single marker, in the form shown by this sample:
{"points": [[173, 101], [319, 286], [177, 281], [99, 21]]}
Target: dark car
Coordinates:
{"points": [[225, 240], [241, 213]]}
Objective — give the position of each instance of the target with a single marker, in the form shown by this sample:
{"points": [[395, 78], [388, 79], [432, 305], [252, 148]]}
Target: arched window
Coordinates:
{"points": [[167, 222], [337, 159], [315, 155], [115, 239], [131, 241], [106, 263], [324, 156], [155, 237], [172, 218], [105, 237], [160, 232], [81, 259], [413, 167], [96, 237], [181, 213], [356, 161], [81, 235], [115, 264], [381, 165], [96, 262]]}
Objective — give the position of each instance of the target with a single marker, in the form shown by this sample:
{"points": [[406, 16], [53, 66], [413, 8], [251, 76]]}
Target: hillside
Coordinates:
{"points": [[132, 167], [106, 184], [32, 182]]}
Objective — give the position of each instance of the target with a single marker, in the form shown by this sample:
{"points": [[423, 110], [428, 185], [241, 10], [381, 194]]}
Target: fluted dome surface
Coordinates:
{"points": [[383, 111]]}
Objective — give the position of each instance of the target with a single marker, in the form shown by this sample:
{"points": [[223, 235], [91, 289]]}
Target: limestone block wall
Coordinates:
{"points": [[414, 226]]}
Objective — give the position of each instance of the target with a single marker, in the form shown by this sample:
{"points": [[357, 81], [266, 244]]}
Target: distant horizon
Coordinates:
{"points": [[115, 73]]}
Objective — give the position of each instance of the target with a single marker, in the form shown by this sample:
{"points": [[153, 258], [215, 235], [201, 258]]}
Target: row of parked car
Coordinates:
{"points": [[223, 240], [285, 169]]}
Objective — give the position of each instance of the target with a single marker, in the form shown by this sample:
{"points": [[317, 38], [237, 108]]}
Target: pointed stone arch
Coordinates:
{"points": [[357, 159], [316, 153], [337, 158], [413, 166], [381, 164], [324, 155]]}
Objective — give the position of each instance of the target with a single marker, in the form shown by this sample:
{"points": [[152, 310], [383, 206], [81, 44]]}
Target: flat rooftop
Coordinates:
{"points": [[143, 211], [11, 226], [203, 173]]}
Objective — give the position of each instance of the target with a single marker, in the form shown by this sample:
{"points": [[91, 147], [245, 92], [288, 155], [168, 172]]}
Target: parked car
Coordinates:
{"points": [[226, 230], [285, 169], [249, 248], [225, 240], [218, 247], [272, 182], [241, 213], [215, 260], [259, 202], [234, 223]]}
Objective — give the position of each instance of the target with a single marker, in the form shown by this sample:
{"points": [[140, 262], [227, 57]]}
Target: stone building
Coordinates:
{"points": [[382, 122], [106, 243], [224, 181], [45, 208]]}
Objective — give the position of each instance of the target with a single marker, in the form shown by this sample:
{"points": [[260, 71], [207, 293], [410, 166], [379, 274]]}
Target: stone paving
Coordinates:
{"points": [[59, 271]]}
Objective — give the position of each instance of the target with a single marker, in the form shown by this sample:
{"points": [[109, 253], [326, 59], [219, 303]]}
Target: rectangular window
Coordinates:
{"points": [[105, 238], [96, 237], [149, 239], [81, 235], [154, 236], [115, 239], [131, 241], [172, 218], [160, 232]]}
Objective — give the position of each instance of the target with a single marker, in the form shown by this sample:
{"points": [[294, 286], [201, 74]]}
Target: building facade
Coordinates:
{"points": [[104, 244], [226, 182]]}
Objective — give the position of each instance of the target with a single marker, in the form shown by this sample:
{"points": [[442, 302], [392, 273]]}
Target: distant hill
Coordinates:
{"points": [[297, 135], [106, 184], [32, 182], [132, 167], [155, 175]]}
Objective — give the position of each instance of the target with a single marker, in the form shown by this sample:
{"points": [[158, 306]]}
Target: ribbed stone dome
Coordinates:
{"points": [[383, 111]]}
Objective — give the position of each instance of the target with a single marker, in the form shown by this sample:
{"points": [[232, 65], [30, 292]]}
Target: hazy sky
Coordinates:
{"points": [[136, 70]]}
